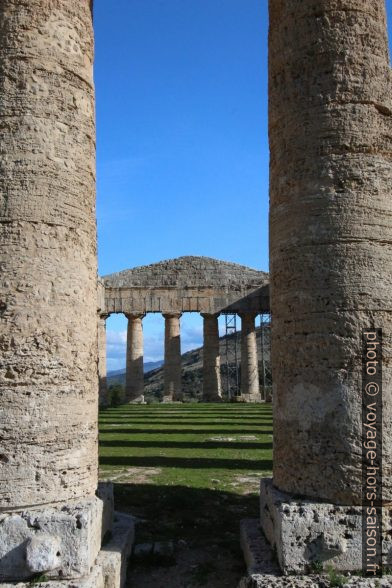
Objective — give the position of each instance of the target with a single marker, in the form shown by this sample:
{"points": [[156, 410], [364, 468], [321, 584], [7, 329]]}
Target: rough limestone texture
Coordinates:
{"points": [[62, 542], [134, 384], [48, 322], [187, 284], [105, 494], [250, 386], [263, 570], [212, 388], [94, 580], [113, 557], [330, 128], [304, 531], [258, 553], [268, 581], [109, 570], [102, 370], [172, 365]]}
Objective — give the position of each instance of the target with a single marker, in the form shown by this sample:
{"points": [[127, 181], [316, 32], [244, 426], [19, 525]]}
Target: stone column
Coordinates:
{"points": [[48, 290], [212, 390], [250, 386], [172, 366], [330, 125], [102, 374], [134, 383]]}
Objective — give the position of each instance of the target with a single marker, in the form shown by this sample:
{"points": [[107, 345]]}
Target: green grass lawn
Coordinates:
{"points": [[191, 471]]}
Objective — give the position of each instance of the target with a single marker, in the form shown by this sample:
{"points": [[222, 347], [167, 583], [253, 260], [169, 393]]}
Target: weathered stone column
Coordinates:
{"points": [[330, 125], [102, 373], [48, 253], [172, 366], [48, 365], [134, 382], [250, 386], [212, 389]]}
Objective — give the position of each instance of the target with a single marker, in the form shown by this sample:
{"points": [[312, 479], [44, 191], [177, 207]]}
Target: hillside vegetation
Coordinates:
{"points": [[192, 369]]}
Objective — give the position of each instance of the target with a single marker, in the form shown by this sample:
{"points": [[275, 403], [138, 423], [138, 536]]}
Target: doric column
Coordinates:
{"points": [[48, 308], [330, 128], [134, 382], [250, 386], [48, 254], [102, 374], [212, 391], [172, 366]]}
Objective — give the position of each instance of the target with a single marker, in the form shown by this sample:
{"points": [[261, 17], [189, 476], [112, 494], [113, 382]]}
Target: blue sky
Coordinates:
{"points": [[182, 146]]}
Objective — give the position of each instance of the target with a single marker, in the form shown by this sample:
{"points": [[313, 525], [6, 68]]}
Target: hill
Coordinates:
{"points": [[192, 369], [118, 376]]}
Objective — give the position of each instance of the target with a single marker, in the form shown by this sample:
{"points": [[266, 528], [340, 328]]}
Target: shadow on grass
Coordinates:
{"points": [[205, 519], [157, 413], [185, 444], [231, 410], [187, 414], [195, 431], [187, 463], [147, 421], [179, 512]]}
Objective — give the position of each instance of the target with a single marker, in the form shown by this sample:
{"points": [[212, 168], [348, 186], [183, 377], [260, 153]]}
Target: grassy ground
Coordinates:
{"points": [[190, 472]]}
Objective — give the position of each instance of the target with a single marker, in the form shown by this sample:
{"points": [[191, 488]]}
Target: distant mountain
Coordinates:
{"points": [[118, 376], [152, 365], [116, 373], [192, 368]]}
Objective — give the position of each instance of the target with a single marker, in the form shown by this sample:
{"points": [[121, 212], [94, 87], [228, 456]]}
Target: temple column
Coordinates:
{"points": [[51, 518], [102, 372], [212, 391], [330, 130], [134, 381], [250, 386], [172, 366]]}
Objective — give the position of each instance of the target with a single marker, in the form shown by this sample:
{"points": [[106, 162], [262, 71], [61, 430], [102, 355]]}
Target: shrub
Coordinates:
{"points": [[116, 394]]}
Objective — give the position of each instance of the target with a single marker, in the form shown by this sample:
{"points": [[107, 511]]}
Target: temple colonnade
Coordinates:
{"points": [[212, 385]]}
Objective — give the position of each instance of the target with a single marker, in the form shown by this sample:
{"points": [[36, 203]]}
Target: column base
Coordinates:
{"points": [[60, 542], [138, 400], [110, 567], [249, 398], [263, 570], [305, 533]]}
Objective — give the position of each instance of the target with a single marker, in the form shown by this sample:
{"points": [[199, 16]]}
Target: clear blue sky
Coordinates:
{"points": [[182, 146]]}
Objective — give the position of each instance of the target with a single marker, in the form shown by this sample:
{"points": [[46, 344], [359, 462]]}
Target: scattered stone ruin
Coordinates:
{"points": [[186, 284], [330, 125]]}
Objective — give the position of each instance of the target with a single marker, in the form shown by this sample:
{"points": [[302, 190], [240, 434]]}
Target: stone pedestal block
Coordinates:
{"points": [[105, 493], [109, 569], [62, 542], [113, 557], [304, 532]]}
